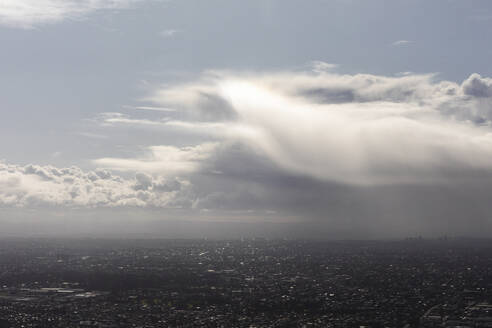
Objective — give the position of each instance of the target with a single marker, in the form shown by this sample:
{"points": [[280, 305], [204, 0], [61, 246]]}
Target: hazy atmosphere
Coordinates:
{"points": [[302, 119]]}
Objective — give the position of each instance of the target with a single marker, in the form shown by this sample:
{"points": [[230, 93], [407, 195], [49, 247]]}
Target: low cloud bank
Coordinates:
{"points": [[34, 185]]}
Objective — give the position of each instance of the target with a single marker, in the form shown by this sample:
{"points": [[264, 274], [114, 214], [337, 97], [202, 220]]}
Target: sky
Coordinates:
{"points": [[333, 119]]}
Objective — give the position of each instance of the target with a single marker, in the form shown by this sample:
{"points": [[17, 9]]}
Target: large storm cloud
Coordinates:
{"points": [[363, 152], [353, 129]]}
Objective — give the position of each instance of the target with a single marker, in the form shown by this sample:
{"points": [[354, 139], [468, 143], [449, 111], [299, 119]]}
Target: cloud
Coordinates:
{"points": [[476, 86], [321, 66], [268, 140], [45, 186], [112, 118], [31, 13], [358, 153], [401, 43], [361, 153], [354, 129], [167, 160], [151, 108], [56, 154], [91, 135], [169, 33]]}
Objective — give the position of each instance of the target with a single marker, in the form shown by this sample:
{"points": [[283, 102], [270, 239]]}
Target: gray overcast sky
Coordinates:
{"points": [[338, 119]]}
